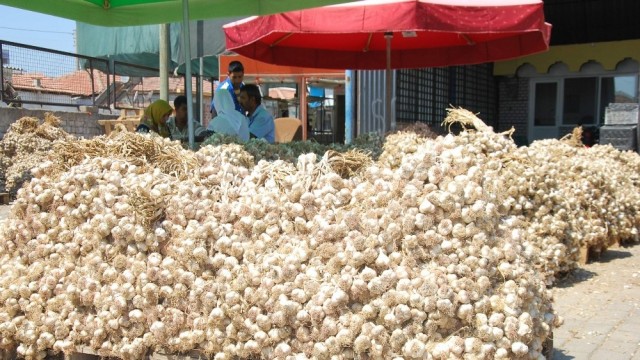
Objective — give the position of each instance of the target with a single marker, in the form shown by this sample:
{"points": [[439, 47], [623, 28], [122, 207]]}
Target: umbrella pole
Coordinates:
{"points": [[389, 125], [187, 75], [349, 91], [164, 62], [200, 91]]}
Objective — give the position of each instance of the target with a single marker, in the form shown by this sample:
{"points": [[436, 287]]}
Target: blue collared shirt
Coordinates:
{"points": [[261, 124], [228, 86]]}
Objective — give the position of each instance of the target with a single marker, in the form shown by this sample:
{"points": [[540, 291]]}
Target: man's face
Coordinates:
{"points": [[236, 79], [181, 113], [244, 101]]}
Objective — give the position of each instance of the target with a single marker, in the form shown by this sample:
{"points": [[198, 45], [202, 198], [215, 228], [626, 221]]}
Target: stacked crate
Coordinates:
{"points": [[621, 126]]}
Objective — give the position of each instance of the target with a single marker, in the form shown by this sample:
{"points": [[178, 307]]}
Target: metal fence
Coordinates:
{"points": [[32, 77], [425, 94]]}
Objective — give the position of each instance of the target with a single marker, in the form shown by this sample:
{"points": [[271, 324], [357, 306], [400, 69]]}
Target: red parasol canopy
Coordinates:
{"points": [[424, 33]]}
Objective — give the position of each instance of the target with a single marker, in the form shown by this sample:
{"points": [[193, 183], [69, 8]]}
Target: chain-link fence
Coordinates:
{"points": [[32, 77], [38, 76]]}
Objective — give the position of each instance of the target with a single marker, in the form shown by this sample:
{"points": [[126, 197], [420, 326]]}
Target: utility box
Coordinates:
{"points": [[621, 137]]}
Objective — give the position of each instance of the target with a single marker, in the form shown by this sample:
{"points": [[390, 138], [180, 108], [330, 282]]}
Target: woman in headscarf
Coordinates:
{"points": [[155, 119], [229, 120]]}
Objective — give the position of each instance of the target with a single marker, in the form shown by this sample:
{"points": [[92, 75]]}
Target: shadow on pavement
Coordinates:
{"points": [[573, 277], [613, 255], [578, 275], [559, 355]]}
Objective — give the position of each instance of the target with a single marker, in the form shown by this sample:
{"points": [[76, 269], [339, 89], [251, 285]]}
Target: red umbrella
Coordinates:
{"points": [[379, 34]]}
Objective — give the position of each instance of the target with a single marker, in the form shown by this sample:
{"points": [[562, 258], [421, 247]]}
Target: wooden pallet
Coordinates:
{"points": [[130, 118], [590, 253], [630, 241], [547, 347], [8, 354], [110, 125], [131, 113]]}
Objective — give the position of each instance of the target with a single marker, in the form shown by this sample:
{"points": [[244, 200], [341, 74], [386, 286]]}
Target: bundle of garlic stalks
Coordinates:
{"points": [[26, 145], [565, 195], [261, 150], [333, 256]]}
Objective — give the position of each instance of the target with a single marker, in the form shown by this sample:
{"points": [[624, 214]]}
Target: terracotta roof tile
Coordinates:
{"points": [[78, 83], [176, 85]]}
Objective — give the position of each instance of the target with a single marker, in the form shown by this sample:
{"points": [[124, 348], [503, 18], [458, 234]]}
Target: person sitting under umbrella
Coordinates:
{"points": [[178, 125], [155, 118], [228, 121], [261, 123]]}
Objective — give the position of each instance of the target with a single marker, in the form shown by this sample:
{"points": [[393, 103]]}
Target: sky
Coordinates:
{"points": [[31, 28]]}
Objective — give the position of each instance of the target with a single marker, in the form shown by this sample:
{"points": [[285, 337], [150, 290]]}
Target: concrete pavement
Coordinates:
{"points": [[600, 304]]}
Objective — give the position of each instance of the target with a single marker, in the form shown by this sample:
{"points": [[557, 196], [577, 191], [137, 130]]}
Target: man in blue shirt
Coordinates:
{"points": [[261, 123], [233, 83]]}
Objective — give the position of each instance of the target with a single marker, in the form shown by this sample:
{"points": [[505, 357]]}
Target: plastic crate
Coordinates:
{"points": [[621, 137], [621, 114]]}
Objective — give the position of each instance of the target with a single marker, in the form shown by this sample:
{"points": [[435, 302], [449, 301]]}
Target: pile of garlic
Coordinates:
{"points": [[572, 198], [565, 195], [398, 145], [24, 146], [125, 254]]}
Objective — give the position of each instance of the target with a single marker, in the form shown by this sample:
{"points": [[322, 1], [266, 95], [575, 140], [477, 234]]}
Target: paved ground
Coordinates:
{"points": [[5, 210], [600, 303]]}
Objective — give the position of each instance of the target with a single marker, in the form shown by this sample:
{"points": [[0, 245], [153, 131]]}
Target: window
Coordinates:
{"points": [[545, 106], [561, 99], [617, 89], [583, 99], [579, 101]]}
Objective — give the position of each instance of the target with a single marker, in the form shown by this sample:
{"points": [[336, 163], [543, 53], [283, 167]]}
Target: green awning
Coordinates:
{"points": [[140, 45], [144, 12]]}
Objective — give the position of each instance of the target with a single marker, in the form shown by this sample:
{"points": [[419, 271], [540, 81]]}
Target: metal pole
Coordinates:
{"points": [[201, 92], [164, 61], [349, 106], [93, 83], [112, 72], [2, 73], [387, 107], [187, 80], [302, 97], [201, 70]]}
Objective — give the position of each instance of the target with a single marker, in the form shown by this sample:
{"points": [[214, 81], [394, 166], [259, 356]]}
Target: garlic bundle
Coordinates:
{"points": [[572, 198], [260, 149], [566, 196], [24, 146]]}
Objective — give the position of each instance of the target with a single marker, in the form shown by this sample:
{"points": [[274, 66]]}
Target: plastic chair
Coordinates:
{"points": [[287, 129]]}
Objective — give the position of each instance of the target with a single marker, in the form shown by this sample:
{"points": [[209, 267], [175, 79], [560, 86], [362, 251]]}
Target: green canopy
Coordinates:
{"points": [[143, 12], [211, 42], [129, 44], [139, 45]]}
